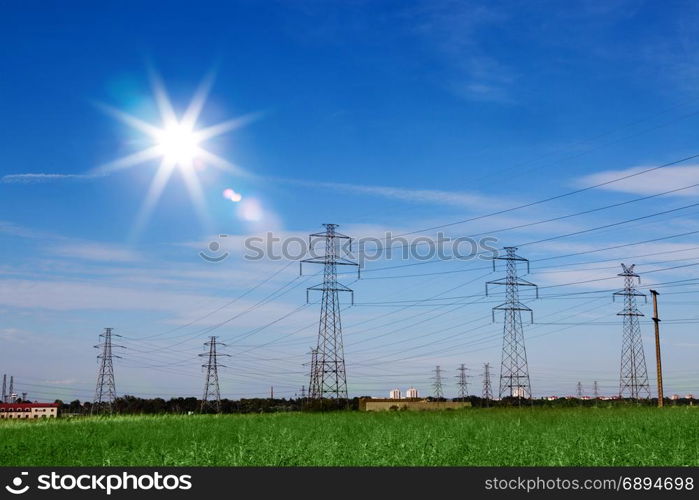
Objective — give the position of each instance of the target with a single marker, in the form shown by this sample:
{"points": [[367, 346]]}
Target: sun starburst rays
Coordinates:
{"points": [[179, 144]]}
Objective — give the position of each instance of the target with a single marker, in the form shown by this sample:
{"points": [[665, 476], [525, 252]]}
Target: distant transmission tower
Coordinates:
{"points": [[313, 387], [595, 390], [633, 380], [105, 392], [331, 377], [514, 372], [487, 384], [462, 381], [212, 392], [579, 390], [437, 384], [12, 389]]}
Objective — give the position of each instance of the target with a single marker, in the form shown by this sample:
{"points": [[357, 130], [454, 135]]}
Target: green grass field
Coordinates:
{"points": [[584, 436]]}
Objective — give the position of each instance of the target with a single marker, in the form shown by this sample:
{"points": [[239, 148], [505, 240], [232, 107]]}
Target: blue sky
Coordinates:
{"points": [[379, 116]]}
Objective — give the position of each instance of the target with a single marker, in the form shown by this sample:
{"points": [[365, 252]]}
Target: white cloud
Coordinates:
{"points": [[429, 196], [96, 252], [657, 181], [13, 334], [40, 177]]}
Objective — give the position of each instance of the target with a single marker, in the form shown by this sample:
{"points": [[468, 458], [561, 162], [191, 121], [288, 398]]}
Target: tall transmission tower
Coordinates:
{"points": [[487, 384], [633, 378], [462, 381], [437, 384], [212, 392], [105, 391], [579, 390], [595, 390], [12, 389], [514, 371], [331, 377]]}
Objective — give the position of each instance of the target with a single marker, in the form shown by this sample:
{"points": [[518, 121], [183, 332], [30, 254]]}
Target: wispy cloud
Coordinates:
{"points": [[42, 178], [657, 181], [96, 252], [453, 31], [429, 196]]}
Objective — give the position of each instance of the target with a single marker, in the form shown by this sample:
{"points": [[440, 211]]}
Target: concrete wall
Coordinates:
{"points": [[410, 404]]}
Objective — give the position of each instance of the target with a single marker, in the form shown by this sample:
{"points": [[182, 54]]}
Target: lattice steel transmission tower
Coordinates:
{"points": [[595, 390], [437, 384], [212, 390], [487, 384], [330, 373], [105, 392], [514, 371], [314, 379], [579, 390], [462, 381], [633, 379]]}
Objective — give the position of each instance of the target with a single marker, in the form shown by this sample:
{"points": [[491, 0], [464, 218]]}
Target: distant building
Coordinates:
{"points": [[689, 396], [411, 393], [519, 392], [28, 410], [675, 397], [394, 394]]}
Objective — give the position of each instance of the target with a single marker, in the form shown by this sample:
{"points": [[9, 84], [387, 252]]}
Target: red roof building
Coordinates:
{"points": [[29, 410]]}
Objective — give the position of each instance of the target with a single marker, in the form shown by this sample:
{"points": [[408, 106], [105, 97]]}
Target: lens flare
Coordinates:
{"points": [[231, 195], [251, 210]]}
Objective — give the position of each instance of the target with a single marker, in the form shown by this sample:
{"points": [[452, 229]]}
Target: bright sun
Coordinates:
{"points": [[177, 143]]}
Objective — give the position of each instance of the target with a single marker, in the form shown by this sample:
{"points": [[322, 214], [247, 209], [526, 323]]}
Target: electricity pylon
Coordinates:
{"points": [[105, 392], [331, 376], [633, 375], [462, 381], [437, 384], [12, 389], [313, 384], [514, 371], [212, 391], [579, 390], [487, 384], [595, 390]]}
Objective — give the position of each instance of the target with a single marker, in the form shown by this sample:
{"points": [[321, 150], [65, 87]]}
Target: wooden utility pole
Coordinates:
{"points": [[656, 321]]}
